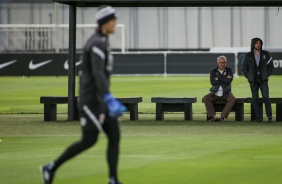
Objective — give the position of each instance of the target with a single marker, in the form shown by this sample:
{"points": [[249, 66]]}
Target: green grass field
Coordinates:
{"points": [[171, 151], [21, 95]]}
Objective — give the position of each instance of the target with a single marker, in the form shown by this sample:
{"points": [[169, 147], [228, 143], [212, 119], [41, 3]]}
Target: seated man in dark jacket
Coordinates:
{"points": [[220, 79]]}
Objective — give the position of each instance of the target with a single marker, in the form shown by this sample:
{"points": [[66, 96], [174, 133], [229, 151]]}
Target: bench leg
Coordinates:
{"points": [[239, 112], [188, 113], [159, 112], [278, 111], [50, 112], [133, 109]]}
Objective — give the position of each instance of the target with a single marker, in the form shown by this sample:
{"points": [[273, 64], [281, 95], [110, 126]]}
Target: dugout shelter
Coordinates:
{"points": [[73, 4]]}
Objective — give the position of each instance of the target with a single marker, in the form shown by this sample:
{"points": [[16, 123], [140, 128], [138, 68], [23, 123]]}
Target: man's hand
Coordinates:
{"points": [[216, 78], [115, 108], [229, 76]]}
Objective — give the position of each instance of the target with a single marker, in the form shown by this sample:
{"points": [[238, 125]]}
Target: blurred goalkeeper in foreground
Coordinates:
{"points": [[99, 109]]}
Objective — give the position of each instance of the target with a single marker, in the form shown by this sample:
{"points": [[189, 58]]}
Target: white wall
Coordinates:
{"points": [[165, 28]]}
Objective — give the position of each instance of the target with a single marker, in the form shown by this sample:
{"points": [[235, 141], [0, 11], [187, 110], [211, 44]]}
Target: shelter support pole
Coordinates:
{"points": [[71, 61]]}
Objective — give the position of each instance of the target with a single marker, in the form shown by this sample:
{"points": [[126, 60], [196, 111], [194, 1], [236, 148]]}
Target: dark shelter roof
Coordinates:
{"points": [[171, 3]]}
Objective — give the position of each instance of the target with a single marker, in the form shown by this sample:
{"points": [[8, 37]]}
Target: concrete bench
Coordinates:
{"points": [[167, 104], [277, 101], [238, 108], [50, 106], [131, 103]]}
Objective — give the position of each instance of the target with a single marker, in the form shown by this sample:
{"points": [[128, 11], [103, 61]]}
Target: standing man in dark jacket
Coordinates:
{"points": [[257, 67], [220, 79], [98, 108]]}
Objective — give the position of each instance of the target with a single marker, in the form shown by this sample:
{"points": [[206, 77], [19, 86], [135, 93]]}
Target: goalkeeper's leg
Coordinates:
{"points": [[111, 128], [89, 138]]}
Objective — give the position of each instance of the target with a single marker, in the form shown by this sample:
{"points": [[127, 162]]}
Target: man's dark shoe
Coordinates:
{"points": [[257, 120], [213, 119], [221, 119], [270, 120]]}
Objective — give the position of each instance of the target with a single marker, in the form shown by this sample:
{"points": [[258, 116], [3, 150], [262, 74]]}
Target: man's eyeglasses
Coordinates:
{"points": [[222, 62]]}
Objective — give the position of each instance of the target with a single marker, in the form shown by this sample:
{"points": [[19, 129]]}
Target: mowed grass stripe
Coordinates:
{"points": [[158, 159], [21, 95], [151, 152]]}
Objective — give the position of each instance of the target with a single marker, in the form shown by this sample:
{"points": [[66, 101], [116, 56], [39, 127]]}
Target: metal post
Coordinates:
{"points": [[165, 28], [160, 31], [186, 26], [123, 39], [241, 26], [50, 34], [266, 26], [71, 61], [56, 27], [199, 27], [82, 30], [232, 27], [212, 25], [136, 32]]}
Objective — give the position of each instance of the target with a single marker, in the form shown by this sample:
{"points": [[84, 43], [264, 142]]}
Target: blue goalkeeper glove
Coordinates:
{"points": [[115, 108]]}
